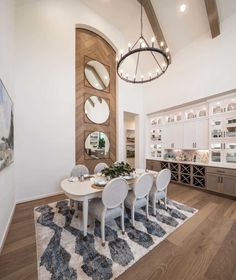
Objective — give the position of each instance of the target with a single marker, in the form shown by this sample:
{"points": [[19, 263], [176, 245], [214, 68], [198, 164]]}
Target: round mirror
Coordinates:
{"points": [[97, 75], [96, 109], [97, 145]]}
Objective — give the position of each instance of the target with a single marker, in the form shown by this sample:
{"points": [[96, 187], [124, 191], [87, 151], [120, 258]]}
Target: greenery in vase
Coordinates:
{"points": [[101, 143], [117, 169]]}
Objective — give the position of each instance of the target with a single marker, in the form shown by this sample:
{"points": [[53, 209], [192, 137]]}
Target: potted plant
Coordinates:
{"points": [[117, 169]]}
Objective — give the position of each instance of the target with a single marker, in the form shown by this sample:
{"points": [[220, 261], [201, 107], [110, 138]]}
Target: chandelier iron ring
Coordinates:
{"points": [[139, 50]]}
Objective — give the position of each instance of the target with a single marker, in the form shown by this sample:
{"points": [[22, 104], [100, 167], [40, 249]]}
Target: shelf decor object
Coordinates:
{"points": [[141, 51]]}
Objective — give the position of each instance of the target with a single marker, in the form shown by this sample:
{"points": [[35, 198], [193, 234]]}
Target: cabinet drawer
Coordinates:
{"points": [[229, 185], [153, 165], [213, 182], [221, 171]]}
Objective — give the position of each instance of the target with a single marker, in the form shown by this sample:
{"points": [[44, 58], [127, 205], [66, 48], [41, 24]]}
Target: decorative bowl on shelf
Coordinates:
{"points": [[231, 107]]}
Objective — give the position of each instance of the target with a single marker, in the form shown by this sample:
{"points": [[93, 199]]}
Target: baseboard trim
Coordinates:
{"points": [[19, 201], [7, 228]]}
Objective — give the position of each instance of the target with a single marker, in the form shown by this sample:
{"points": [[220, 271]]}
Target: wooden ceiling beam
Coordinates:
{"points": [[155, 25], [213, 17]]}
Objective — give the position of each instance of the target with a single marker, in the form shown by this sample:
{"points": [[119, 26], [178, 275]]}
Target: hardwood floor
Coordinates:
{"points": [[204, 248]]}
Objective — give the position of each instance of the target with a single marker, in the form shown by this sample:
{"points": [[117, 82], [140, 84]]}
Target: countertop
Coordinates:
{"points": [[230, 166]]}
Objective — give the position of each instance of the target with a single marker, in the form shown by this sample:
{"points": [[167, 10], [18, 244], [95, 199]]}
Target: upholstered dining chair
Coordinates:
{"points": [[79, 170], [111, 205], [99, 167], [159, 189], [139, 195]]}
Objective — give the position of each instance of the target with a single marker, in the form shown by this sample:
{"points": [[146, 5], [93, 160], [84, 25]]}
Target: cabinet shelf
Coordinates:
{"points": [[198, 171], [164, 165], [185, 168], [175, 176], [185, 179], [199, 182]]}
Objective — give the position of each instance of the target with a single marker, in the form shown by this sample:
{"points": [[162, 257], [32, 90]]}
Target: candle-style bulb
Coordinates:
{"points": [[153, 40]]}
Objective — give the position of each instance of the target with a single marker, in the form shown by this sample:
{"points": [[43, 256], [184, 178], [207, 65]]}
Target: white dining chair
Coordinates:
{"points": [[159, 189], [79, 170], [139, 195], [111, 205], [99, 167]]}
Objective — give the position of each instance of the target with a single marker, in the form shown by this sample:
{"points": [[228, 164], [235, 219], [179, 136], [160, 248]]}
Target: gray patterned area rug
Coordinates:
{"points": [[63, 254]]}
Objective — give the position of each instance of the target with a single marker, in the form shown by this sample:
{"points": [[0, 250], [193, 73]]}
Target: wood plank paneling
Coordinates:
{"points": [[90, 46]]}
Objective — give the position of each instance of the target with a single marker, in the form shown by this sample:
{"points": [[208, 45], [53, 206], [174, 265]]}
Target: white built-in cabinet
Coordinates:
{"points": [[195, 135], [209, 125], [189, 135], [173, 136]]}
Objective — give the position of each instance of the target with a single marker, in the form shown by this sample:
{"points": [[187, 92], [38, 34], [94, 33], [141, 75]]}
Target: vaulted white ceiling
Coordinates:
{"points": [[180, 29]]}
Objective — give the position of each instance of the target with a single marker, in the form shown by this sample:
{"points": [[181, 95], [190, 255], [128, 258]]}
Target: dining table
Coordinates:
{"points": [[85, 190]]}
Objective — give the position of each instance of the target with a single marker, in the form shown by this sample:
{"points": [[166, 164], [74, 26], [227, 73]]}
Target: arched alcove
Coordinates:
{"points": [[92, 50]]}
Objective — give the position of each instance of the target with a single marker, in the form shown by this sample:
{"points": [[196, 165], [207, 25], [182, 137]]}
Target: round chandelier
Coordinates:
{"points": [[143, 62]]}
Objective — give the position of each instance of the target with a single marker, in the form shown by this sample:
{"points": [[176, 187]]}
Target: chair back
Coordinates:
{"points": [[163, 179], [99, 167], [143, 185], [79, 170], [115, 193]]}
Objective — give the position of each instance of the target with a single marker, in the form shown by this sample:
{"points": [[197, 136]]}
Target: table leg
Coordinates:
{"points": [[76, 209], [85, 215]]}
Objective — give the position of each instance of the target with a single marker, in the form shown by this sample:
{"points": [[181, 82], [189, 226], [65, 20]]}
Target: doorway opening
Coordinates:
{"points": [[130, 138]]}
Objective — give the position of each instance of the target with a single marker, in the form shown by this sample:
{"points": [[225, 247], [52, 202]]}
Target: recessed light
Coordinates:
{"points": [[182, 8]]}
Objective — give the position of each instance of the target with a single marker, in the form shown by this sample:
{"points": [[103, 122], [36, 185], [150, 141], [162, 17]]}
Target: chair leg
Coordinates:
{"points": [[165, 204], [154, 205], [132, 214], [123, 219], [103, 230], [147, 212], [71, 203]]}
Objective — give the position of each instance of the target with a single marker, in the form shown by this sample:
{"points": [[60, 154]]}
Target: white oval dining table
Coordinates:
{"points": [[83, 192]]}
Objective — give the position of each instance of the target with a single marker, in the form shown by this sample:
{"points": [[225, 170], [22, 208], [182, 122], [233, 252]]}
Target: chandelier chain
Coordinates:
{"points": [[141, 18]]}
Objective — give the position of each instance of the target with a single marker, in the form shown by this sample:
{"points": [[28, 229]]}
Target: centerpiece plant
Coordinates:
{"points": [[117, 169]]}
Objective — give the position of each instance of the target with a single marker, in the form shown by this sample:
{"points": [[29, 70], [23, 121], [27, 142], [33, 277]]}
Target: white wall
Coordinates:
{"points": [[204, 68], [7, 197], [130, 100], [45, 92]]}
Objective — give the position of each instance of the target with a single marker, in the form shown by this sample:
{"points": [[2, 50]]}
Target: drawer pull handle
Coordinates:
{"points": [[220, 171]]}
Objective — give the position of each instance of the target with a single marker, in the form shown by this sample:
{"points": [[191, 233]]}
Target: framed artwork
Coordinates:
{"points": [[6, 128]]}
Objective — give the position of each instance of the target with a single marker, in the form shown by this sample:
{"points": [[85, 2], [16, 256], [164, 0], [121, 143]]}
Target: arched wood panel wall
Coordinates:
{"points": [[90, 46]]}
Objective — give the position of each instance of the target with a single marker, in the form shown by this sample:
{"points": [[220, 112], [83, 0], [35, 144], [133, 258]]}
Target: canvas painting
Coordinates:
{"points": [[6, 128]]}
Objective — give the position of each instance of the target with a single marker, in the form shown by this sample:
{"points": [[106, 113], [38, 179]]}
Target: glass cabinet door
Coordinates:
{"points": [[216, 128], [216, 152], [230, 127], [230, 152]]}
